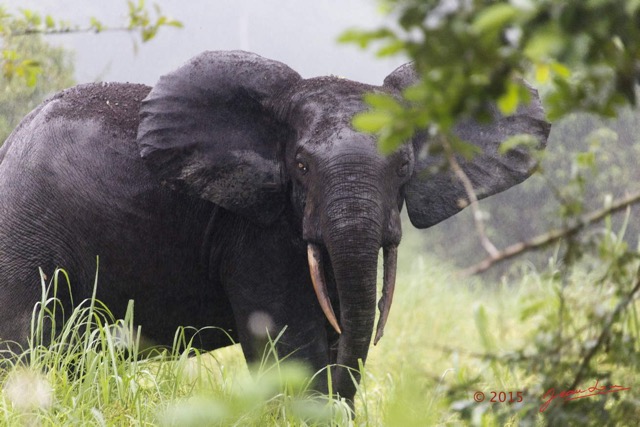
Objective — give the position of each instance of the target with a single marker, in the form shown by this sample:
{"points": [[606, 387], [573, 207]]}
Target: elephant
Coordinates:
{"points": [[234, 193]]}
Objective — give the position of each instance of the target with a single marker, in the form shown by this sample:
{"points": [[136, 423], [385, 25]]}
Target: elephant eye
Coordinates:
{"points": [[302, 167], [403, 170]]}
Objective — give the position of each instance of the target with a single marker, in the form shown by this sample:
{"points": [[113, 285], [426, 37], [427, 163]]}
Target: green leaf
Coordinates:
{"points": [[542, 73], [544, 44], [392, 48], [49, 22], [508, 102], [522, 140], [533, 308], [388, 144], [482, 324], [363, 38], [382, 101], [149, 33], [494, 18], [372, 121], [96, 24], [416, 93], [560, 70], [30, 70]]}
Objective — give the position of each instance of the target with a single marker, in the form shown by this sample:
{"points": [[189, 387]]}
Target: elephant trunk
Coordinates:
{"points": [[353, 255], [353, 234]]}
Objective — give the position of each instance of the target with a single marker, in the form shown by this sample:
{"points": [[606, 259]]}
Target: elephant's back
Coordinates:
{"points": [[72, 167], [76, 130], [115, 104]]}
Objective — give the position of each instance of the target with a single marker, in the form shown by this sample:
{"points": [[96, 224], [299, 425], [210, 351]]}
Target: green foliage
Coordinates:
{"points": [[583, 303], [91, 373], [583, 333], [470, 53], [446, 340], [140, 19], [18, 98], [27, 22], [26, 57], [585, 56]]}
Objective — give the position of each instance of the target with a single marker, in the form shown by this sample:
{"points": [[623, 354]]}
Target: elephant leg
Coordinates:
{"points": [[267, 281], [262, 316]]}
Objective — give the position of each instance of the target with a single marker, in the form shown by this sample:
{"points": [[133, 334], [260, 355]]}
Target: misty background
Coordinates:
{"points": [[301, 34]]}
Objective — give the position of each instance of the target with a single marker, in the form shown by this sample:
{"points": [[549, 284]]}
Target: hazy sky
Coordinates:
{"points": [[300, 33]]}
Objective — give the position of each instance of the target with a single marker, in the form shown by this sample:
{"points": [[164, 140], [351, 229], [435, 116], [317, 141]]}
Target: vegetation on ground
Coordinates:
{"points": [[448, 340]]}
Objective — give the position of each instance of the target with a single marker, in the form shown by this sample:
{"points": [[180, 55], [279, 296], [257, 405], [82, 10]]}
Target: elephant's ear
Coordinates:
{"points": [[206, 128], [432, 197]]}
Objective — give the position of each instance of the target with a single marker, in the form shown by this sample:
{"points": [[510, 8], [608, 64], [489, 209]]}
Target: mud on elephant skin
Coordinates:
{"points": [[230, 188]]}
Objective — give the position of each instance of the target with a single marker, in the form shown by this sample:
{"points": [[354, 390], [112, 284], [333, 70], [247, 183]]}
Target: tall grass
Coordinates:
{"points": [[446, 339], [432, 344]]}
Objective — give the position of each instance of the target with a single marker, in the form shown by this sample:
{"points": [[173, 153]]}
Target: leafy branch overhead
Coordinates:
{"points": [[585, 54], [27, 22]]}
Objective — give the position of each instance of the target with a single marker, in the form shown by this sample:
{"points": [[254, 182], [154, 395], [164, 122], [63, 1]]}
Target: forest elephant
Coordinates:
{"points": [[232, 190]]}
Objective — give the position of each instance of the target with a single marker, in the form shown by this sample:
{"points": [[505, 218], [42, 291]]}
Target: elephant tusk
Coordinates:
{"points": [[388, 287], [319, 285]]}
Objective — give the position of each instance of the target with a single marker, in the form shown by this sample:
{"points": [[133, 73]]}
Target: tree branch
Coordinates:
{"points": [[551, 236], [478, 221], [29, 22], [70, 30]]}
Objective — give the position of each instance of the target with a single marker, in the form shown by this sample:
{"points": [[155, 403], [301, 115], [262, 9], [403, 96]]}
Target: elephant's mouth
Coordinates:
{"points": [[316, 268]]}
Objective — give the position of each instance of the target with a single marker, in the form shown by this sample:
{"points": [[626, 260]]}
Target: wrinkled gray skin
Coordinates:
{"points": [[203, 196]]}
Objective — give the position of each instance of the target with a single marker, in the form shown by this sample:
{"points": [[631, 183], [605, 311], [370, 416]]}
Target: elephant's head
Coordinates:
{"points": [[250, 135]]}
